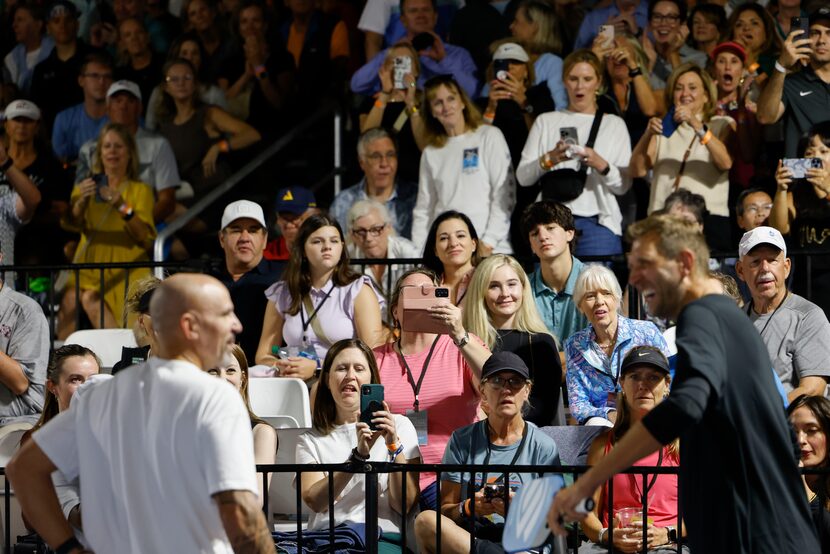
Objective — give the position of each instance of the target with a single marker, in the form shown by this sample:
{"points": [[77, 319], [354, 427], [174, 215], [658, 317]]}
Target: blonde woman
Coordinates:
{"points": [[499, 308]]}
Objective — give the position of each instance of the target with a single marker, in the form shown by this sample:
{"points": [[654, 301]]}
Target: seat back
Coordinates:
{"points": [[10, 436], [281, 401], [573, 442], [106, 343]]}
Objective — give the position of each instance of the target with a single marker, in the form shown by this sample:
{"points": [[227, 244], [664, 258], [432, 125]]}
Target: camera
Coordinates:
{"points": [[492, 491], [442, 292]]}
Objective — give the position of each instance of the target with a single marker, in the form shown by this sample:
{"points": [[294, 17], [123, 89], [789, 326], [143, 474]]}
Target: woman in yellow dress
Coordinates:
{"points": [[113, 211]]}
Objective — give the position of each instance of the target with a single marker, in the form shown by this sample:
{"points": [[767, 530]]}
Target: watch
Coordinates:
{"points": [[672, 533], [462, 342]]}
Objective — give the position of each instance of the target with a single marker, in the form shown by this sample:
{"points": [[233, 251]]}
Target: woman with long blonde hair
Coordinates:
{"points": [[499, 307]]}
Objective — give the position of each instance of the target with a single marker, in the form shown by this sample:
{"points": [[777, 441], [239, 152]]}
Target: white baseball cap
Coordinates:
{"points": [[511, 51], [124, 86], [761, 235], [22, 108], [242, 208]]}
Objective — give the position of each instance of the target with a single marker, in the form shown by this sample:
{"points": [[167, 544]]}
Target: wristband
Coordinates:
{"points": [[261, 72], [380, 103], [489, 116], [7, 164], [606, 171], [780, 68], [393, 455], [224, 146], [357, 456], [413, 110], [702, 132], [126, 211], [465, 508], [602, 534], [636, 72], [707, 137], [69, 545]]}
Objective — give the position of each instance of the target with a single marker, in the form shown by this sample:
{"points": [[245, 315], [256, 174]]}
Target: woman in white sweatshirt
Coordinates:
{"points": [[465, 167], [596, 212]]}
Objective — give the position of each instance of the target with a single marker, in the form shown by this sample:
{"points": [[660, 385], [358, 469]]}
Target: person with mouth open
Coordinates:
{"points": [[594, 356], [645, 382], [810, 418], [688, 150], [740, 488]]}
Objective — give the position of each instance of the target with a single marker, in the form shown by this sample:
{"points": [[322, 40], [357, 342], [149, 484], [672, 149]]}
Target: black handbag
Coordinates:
{"points": [[564, 185]]}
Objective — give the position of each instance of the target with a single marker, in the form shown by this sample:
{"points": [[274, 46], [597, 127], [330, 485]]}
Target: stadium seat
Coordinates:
{"points": [[282, 402], [106, 343]]}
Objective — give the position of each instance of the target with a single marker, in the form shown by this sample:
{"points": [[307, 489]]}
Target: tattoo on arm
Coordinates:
{"points": [[244, 522]]}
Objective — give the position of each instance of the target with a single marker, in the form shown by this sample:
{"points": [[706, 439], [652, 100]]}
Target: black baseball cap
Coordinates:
{"points": [[504, 361], [821, 14], [645, 355]]}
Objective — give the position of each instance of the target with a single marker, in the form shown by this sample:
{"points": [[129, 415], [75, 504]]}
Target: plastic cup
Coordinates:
{"points": [[628, 515]]}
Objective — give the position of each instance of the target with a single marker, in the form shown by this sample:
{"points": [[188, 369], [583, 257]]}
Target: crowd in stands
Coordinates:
{"points": [[503, 149]]}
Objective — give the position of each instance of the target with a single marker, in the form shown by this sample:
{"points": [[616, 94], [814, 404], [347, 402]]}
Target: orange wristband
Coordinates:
{"points": [[224, 146], [707, 137], [380, 104], [467, 511]]}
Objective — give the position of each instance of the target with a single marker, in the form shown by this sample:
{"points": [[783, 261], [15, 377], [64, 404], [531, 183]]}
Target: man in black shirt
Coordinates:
{"points": [[246, 273], [739, 483]]}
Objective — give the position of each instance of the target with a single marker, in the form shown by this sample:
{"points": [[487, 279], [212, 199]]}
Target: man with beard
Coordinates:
{"points": [[795, 331], [739, 480]]}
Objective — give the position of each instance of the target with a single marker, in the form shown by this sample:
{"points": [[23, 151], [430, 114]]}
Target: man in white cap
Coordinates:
{"points": [[19, 196], [246, 273], [156, 161], [795, 331]]}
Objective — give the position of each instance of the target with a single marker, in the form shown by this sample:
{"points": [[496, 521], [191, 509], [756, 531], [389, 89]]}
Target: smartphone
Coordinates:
{"points": [[371, 400], [493, 490], [401, 66], [101, 182], [500, 69], [669, 124], [801, 23], [415, 302], [422, 41], [799, 166], [568, 135], [606, 33]]}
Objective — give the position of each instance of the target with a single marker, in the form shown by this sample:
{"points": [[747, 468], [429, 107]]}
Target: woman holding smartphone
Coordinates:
{"points": [[451, 251], [432, 378], [687, 149], [319, 301], [339, 436], [558, 141], [397, 107], [113, 211]]}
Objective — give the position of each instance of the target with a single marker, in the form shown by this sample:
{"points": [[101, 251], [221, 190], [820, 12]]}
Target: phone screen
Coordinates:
{"points": [[371, 400], [101, 182], [669, 124]]}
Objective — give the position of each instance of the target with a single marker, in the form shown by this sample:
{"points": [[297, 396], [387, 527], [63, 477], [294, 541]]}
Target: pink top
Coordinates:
{"points": [[336, 314], [628, 490], [447, 393]]}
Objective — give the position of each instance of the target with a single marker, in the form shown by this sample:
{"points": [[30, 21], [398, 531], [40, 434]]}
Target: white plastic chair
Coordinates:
{"points": [[10, 439], [106, 343], [281, 401]]}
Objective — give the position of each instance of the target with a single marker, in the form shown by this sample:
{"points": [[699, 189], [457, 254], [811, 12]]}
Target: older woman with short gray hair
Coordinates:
{"points": [[594, 355], [370, 234]]}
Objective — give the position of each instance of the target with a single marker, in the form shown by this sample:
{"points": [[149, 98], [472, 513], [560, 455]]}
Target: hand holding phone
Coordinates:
{"points": [[606, 36], [416, 303], [568, 135], [371, 400], [669, 123], [101, 184], [402, 65], [799, 166], [501, 69]]}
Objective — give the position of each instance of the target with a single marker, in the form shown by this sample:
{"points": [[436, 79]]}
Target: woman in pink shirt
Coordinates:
{"points": [[431, 378], [645, 380]]}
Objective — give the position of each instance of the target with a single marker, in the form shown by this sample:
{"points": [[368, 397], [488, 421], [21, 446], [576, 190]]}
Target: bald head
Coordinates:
{"points": [[194, 319]]}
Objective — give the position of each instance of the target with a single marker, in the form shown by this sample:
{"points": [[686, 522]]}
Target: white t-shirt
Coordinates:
{"points": [[336, 447], [151, 448]]}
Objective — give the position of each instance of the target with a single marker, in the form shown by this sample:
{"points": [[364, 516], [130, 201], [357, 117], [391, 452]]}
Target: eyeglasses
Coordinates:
{"points": [[498, 383], [374, 230], [665, 18], [376, 157], [179, 79], [99, 76], [758, 208]]}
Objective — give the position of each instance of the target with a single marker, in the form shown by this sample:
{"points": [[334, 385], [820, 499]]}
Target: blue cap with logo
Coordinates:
{"points": [[295, 200]]}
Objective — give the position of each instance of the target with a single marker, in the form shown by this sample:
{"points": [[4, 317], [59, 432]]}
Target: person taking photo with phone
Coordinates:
{"points": [[561, 142], [479, 500], [339, 435], [687, 149], [433, 378]]}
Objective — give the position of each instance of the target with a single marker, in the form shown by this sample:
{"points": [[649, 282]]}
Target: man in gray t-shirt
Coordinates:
{"points": [[795, 331], [24, 355]]}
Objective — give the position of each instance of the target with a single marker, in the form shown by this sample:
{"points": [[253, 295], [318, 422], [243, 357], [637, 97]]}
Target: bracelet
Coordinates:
{"points": [[545, 162], [380, 103], [602, 533], [126, 211], [7, 164], [606, 171], [780, 68], [465, 508], [413, 110], [357, 456], [261, 72], [393, 455], [636, 72], [69, 545], [489, 116], [224, 146], [707, 137]]}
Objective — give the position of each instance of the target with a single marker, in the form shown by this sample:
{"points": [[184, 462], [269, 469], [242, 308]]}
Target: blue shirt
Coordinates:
{"points": [[400, 205], [73, 127], [458, 63], [558, 310], [591, 375], [593, 19]]}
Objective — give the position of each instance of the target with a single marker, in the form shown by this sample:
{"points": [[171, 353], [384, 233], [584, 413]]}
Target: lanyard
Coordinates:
{"points": [[489, 451], [651, 482], [416, 388], [313, 314], [775, 311]]}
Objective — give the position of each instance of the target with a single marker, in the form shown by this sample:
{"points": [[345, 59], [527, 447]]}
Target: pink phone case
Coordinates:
{"points": [[416, 302]]}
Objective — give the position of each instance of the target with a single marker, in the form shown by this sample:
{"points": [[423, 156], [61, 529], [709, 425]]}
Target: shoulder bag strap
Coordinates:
{"points": [[592, 137], [315, 322]]}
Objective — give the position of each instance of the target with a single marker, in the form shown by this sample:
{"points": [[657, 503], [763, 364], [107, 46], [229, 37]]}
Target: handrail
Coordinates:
{"points": [[233, 180]]}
